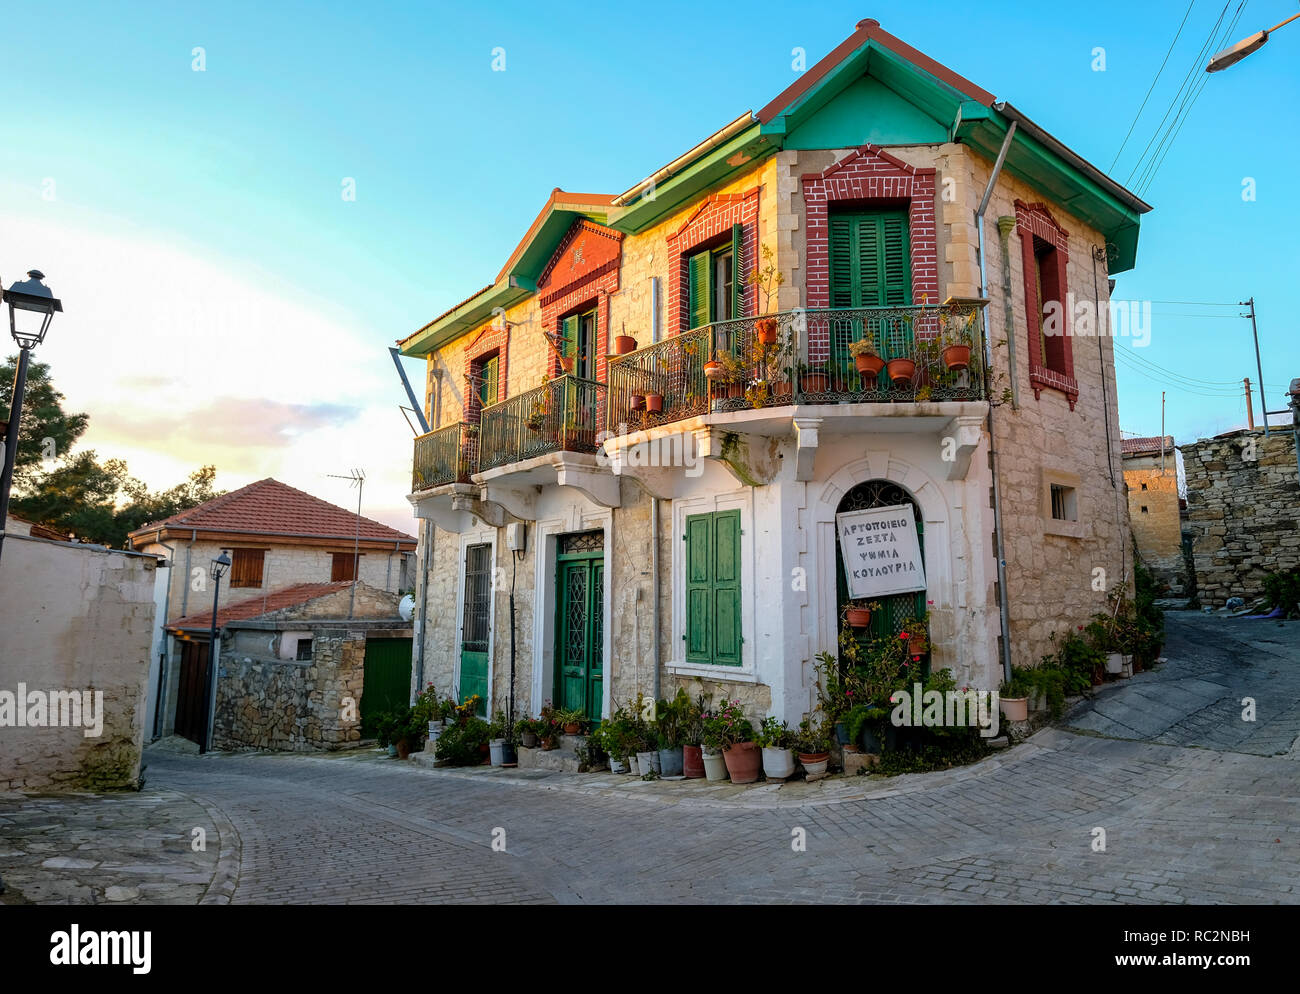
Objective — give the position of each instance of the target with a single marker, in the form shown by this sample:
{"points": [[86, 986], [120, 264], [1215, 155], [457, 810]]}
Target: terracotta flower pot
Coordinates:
{"points": [[623, 344], [765, 331], [1014, 708], [780, 390], [869, 365], [403, 748], [956, 357], [549, 744], [692, 762], [638, 402], [572, 728], [566, 363], [902, 370], [735, 389], [713, 369], [654, 402], [858, 617], [814, 382], [814, 762], [744, 762]]}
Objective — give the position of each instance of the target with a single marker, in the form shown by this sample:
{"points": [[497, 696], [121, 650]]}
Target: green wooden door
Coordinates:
{"points": [[475, 625], [386, 684], [580, 633], [713, 613], [870, 266]]}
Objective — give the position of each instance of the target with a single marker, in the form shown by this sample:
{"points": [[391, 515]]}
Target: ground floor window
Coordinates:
{"points": [[713, 614]]}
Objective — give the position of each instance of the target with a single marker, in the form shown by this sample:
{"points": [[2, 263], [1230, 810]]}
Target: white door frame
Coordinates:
{"points": [[486, 537]]}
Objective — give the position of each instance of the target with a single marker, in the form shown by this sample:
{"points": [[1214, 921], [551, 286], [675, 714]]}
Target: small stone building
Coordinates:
{"points": [[1243, 510], [1153, 507], [292, 670]]}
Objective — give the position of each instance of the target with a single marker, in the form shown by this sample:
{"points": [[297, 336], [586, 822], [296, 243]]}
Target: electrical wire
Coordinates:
{"points": [[1181, 388], [1191, 380], [1152, 86]]}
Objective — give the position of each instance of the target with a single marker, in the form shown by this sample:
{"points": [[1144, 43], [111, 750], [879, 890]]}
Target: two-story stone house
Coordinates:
{"points": [[603, 517]]}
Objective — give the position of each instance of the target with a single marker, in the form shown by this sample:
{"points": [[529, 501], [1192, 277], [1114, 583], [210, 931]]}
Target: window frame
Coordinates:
{"points": [[334, 567], [238, 567]]}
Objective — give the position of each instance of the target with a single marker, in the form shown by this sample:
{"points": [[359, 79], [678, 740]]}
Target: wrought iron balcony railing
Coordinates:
{"points": [[566, 413], [907, 355], [448, 455]]}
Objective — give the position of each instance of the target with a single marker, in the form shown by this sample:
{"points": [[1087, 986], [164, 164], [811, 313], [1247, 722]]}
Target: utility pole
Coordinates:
{"points": [[1259, 366], [1162, 433], [1250, 411]]}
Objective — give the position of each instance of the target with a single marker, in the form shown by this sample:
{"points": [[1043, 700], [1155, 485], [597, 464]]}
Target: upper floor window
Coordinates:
{"points": [[578, 332], [870, 261], [715, 287], [487, 380], [246, 567], [1049, 277], [343, 567]]}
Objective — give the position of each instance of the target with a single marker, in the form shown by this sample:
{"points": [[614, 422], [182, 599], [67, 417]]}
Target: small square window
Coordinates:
{"points": [[304, 651], [1144, 509], [1064, 503], [1144, 486], [343, 567]]}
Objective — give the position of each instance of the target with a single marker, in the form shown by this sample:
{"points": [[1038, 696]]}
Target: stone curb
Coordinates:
{"points": [[225, 879]]}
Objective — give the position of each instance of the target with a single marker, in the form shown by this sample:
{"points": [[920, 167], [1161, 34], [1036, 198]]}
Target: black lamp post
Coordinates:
{"points": [[217, 571], [31, 308]]}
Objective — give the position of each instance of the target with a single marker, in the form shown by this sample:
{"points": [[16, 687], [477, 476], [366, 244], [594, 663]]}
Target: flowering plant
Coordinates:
{"points": [[727, 726]]}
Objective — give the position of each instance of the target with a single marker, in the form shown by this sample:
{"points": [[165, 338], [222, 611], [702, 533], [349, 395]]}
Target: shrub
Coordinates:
{"points": [[462, 742]]}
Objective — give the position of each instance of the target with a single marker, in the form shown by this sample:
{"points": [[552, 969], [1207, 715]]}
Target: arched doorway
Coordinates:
{"points": [[895, 609]]}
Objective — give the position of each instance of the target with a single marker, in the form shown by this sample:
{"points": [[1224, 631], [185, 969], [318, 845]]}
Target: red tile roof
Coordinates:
{"points": [[255, 607], [1145, 446], [269, 507]]}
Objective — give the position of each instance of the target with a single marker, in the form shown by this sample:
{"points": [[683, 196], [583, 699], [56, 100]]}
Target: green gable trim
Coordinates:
{"points": [[867, 111], [464, 318], [733, 158], [983, 129]]}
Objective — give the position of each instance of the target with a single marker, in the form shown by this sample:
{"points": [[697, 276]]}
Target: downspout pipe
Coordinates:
{"points": [[1003, 611], [654, 594], [162, 662]]}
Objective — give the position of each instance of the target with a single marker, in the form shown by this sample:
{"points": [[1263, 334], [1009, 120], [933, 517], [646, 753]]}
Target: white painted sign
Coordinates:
{"points": [[881, 552]]}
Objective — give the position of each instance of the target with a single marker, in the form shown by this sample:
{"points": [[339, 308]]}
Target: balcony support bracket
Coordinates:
{"points": [[521, 501], [960, 440], [751, 459], [598, 484], [806, 437], [454, 507]]}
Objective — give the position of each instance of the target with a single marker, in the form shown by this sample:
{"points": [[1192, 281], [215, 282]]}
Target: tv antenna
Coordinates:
{"points": [[357, 478]]}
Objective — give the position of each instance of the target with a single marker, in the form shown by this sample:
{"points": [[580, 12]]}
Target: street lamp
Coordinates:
{"points": [[1235, 53], [217, 570], [31, 308]]}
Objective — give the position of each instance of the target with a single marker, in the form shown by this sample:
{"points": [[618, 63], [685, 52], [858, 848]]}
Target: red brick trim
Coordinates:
{"points": [[563, 289], [1055, 371], [493, 339], [866, 175], [712, 221]]}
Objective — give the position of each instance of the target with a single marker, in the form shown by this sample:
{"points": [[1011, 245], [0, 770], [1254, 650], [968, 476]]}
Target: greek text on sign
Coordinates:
{"points": [[881, 552]]}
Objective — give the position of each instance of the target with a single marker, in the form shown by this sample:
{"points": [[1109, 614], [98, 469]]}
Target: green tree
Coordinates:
{"points": [[43, 418]]}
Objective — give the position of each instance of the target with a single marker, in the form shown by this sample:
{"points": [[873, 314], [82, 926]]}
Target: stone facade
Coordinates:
{"points": [[1243, 510], [1153, 510], [74, 618]]}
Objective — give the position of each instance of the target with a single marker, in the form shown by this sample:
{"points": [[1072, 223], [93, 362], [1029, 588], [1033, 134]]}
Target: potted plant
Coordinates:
{"points": [[672, 720], [526, 730], [1013, 696], [774, 739], [692, 739], [865, 356], [654, 403], [812, 744], [901, 370], [957, 347], [624, 343], [549, 727], [814, 377], [638, 402], [859, 616], [713, 368], [767, 278], [571, 721], [730, 729]]}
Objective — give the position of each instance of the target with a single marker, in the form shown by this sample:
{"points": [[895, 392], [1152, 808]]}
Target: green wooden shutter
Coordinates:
{"points": [[487, 388], [843, 266], [870, 262], [738, 274], [895, 265], [569, 333], [700, 286], [726, 588], [699, 576]]}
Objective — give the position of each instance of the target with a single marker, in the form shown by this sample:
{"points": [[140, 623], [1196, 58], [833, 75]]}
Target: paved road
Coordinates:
{"points": [[1181, 824]]}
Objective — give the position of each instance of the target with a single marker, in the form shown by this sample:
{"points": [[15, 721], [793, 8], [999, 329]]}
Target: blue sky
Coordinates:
{"points": [[262, 344]]}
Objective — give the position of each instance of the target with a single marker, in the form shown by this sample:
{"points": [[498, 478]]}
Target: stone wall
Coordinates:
{"points": [[1243, 508], [1154, 515], [73, 618], [264, 702]]}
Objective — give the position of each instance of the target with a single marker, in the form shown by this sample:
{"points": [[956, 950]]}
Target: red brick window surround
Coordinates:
{"points": [[867, 177], [710, 224], [581, 274], [491, 341], [1044, 258]]}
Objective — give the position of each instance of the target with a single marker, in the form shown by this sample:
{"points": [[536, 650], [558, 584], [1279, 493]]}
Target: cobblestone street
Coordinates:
{"points": [[1219, 823]]}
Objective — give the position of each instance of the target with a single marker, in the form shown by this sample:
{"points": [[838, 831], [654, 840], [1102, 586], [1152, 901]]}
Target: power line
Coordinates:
{"points": [[1181, 376], [1180, 387], [1199, 303], [1151, 87]]}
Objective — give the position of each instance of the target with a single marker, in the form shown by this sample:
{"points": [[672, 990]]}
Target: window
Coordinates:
{"points": [[487, 381], [870, 259], [1051, 306], [715, 292], [246, 567], [303, 654], [1144, 509], [712, 632], [344, 567], [1144, 486], [1064, 503], [578, 332]]}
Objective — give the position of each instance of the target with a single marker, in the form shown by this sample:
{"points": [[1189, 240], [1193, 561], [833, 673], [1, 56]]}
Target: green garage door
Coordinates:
{"points": [[387, 683]]}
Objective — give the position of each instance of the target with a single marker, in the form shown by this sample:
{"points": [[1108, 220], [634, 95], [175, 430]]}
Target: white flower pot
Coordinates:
{"points": [[617, 765], [777, 763], [633, 766], [648, 761], [1115, 663], [715, 766], [1014, 708]]}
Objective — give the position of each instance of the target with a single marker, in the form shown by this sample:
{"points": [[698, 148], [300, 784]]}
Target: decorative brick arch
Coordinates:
{"points": [[491, 339], [711, 221], [1034, 222], [584, 269]]}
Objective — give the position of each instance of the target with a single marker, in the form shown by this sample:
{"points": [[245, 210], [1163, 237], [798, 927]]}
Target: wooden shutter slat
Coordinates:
{"points": [[701, 297], [738, 274], [726, 588], [699, 528]]}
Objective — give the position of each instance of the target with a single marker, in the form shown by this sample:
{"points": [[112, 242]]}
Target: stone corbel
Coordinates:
{"points": [[752, 461], [599, 485], [961, 439], [521, 502], [805, 434]]}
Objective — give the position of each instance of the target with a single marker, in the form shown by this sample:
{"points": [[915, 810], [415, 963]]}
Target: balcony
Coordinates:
{"points": [[800, 357], [563, 415], [448, 455], [798, 373]]}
